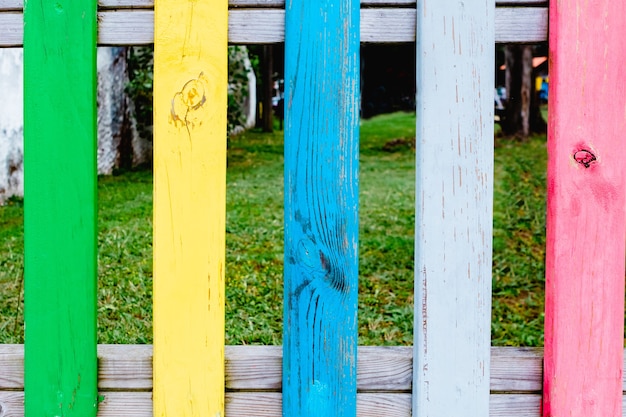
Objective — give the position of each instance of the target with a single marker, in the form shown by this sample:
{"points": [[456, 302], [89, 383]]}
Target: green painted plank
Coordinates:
{"points": [[60, 208]]}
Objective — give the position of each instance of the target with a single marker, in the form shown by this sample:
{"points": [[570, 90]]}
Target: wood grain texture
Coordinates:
{"points": [[518, 405], [453, 222], [516, 369], [246, 26], [139, 404], [126, 379], [127, 366], [379, 369], [269, 405], [260, 368], [117, 404], [103, 4], [321, 208], [190, 101], [584, 328], [60, 255]]}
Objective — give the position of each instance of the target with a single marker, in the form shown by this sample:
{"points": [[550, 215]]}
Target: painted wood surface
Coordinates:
{"points": [[190, 81], [321, 208], [60, 208], [453, 222], [584, 329], [250, 26]]}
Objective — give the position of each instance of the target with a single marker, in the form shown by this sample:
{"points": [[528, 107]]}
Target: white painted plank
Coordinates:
{"points": [[136, 27], [453, 222]]}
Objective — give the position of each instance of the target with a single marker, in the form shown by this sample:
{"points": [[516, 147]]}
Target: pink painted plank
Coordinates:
{"points": [[584, 327]]}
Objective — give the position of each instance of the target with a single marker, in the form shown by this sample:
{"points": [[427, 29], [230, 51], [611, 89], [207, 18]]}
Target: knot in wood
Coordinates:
{"points": [[584, 157]]}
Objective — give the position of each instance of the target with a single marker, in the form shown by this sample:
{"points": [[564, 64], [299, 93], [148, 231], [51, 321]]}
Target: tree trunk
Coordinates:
{"points": [[268, 85], [522, 115]]}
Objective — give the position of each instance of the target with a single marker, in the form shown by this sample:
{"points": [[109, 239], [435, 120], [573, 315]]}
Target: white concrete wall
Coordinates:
{"points": [[11, 123]]}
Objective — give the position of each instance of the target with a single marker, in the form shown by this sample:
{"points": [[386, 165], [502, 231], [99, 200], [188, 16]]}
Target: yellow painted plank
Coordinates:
{"points": [[190, 96]]}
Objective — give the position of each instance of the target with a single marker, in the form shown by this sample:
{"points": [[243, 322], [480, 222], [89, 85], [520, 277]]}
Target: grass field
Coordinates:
{"points": [[255, 243]]}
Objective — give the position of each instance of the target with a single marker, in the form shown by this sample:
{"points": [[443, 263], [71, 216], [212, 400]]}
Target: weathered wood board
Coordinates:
{"points": [[60, 260], [190, 96], [584, 329], [322, 82], [253, 381], [138, 4], [126, 26], [454, 198]]}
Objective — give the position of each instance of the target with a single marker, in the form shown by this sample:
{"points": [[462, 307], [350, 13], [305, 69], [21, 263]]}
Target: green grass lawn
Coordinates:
{"points": [[254, 242]]}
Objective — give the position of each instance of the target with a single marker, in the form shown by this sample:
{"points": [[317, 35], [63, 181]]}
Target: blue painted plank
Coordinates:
{"points": [[453, 221], [321, 208]]}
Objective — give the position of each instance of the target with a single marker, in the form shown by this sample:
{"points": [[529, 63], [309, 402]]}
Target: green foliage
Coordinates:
{"points": [[238, 88], [139, 88]]}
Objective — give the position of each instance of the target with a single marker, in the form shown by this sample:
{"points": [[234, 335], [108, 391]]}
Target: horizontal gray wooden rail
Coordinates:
{"points": [[253, 381], [147, 4], [131, 22]]}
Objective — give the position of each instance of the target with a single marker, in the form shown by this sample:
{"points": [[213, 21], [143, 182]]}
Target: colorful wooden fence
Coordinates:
{"points": [[321, 371]]}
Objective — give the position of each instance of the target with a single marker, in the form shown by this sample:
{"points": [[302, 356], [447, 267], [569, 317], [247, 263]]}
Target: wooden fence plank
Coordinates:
{"points": [[379, 368], [139, 404], [127, 366], [18, 4], [135, 27], [518, 405], [260, 368], [516, 369], [60, 207], [516, 377], [238, 404], [190, 100], [269, 404], [453, 221], [584, 328], [321, 208]]}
